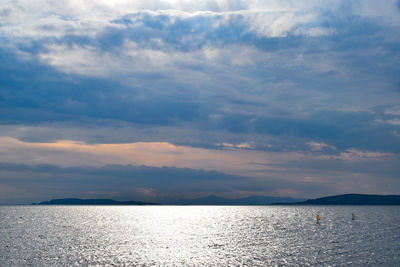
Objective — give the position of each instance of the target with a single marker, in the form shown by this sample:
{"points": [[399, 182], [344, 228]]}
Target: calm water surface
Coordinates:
{"points": [[198, 236]]}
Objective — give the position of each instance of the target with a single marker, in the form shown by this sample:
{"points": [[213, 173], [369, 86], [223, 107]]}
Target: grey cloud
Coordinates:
{"points": [[32, 183], [50, 181], [291, 90]]}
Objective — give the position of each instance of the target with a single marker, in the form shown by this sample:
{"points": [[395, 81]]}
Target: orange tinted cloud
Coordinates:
{"points": [[159, 154]]}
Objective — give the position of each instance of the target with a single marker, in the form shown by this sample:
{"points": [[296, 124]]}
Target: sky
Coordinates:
{"points": [[168, 99]]}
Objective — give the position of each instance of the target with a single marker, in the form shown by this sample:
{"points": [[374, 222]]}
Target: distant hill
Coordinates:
{"points": [[209, 200], [347, 199], [77, 201], [352, 199], [253, 200]]}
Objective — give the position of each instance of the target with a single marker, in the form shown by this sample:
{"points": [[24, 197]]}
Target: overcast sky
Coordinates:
{"points": [[152, 100]]}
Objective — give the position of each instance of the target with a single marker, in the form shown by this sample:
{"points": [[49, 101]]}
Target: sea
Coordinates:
{"points": [[199, 236]]}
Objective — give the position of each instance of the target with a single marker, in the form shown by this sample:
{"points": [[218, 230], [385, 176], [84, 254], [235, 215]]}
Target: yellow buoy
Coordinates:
{"points": [[353, 216]]}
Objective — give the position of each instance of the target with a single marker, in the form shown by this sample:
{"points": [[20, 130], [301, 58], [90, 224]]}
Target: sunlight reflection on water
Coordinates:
{"points": [[198, 235]]}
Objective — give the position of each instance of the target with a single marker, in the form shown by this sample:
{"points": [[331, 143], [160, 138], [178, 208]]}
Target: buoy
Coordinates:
{"points": [[317, 218], [353, 216]]}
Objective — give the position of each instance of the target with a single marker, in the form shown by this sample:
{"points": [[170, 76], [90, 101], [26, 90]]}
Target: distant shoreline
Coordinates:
{"points": [[337, 200]]}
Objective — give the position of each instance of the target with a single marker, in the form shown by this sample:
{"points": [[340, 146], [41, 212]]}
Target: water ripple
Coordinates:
{"points": [[198, 236]]}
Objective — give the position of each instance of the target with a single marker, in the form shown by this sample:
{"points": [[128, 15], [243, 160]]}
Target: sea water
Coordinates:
{"points": [[199, 236]]}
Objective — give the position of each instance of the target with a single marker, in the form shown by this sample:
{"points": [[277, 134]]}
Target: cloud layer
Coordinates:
{"points": [[253, 79]]}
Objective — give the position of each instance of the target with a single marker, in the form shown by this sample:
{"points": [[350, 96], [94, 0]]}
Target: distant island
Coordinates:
{"points": [[352, 199], [346, 199], [209, 200]]}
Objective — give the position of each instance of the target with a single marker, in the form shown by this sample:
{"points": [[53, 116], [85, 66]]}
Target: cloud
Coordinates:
{"points": [[23, 183], [235, 146], [35, 182], [315, 146], [245, 162], [247, 81], [394, 110], [158, 154], [352, 154], [267, 18], [394, 122]]}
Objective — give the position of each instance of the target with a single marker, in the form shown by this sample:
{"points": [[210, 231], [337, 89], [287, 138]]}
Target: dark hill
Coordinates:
{"points": [[353, 199], [347, 199]]}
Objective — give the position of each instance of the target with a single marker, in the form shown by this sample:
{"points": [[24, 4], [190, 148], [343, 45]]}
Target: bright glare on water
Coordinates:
{"points": [[198, 236]]}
